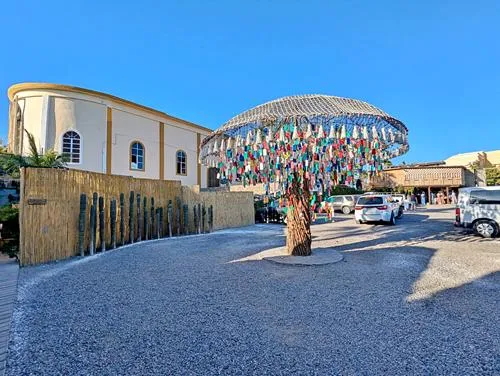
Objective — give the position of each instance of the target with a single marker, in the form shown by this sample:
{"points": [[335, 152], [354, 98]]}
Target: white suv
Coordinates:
{"points": [[479, 208], [376, 207]]}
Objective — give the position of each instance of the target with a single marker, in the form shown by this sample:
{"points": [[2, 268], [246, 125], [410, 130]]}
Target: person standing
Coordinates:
{"points": [[453, 198], [423, 198]]}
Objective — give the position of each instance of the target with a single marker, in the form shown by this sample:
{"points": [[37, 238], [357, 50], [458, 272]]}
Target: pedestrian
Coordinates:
{"points": [[423, 198], [414, 201], [453, 198], [406, 203]]}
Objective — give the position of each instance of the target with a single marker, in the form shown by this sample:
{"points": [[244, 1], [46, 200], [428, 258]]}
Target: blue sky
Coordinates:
{"points": [[432, 64]]}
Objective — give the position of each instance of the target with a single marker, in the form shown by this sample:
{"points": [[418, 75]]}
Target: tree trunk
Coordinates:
{"points": [[298, 240]]}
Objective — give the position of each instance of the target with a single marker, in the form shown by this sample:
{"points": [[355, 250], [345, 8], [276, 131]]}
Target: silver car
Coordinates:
{"points": [[344, 203]]}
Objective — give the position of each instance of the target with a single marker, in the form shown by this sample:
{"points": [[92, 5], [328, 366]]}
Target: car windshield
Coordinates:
{"points": [[376, 200]]}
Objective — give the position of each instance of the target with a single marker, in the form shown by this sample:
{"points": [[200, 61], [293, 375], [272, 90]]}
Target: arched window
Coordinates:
{"points": [[71, 146], [181, 162], [136, 156]]}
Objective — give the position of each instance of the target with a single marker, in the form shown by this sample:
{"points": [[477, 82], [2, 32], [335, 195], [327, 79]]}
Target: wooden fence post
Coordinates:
{"points": [[160, 232], [199, 218], [81, 223], [185, 217], [158, 223], [139, 222], [203, 215], [102, 235], [92, 228], [93, 224], [170, 216], [152, 218], [178, 215], [112, 216], [146, 221], [131, 217], [195, 219], [122, 219], [210, 218]]}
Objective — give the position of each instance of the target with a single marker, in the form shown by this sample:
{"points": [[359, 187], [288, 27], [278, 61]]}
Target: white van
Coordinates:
{"points": [[479, 208]]}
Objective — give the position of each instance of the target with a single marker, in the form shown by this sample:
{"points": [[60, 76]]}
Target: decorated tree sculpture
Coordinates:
{"points": [[296, 143]]}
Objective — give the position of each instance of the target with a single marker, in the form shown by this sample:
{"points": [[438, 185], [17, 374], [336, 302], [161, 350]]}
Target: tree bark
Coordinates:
{"points": [[298, 240]]}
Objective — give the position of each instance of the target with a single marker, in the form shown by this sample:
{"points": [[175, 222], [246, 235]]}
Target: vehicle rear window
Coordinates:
{"points": [[485, 197], [370, 201]]}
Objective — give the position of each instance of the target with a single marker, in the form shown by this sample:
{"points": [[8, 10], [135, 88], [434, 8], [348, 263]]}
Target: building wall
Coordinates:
{"points": [[127, 128], [86, 118], [50, 112], [179, 139], [32, 115]]}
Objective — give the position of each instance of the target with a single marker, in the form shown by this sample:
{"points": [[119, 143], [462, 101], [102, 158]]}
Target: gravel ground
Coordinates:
{"points": [[417, 298]]}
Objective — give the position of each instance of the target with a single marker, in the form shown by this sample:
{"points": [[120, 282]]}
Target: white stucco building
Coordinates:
{"points": [[103, 133]]}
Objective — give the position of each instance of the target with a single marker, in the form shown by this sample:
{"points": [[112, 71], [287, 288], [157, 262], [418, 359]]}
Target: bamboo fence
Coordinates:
{"points": [[53, 225]]}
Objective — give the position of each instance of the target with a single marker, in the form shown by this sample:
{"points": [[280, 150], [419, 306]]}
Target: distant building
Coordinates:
{"points": [[482, 159], [103, 133]]}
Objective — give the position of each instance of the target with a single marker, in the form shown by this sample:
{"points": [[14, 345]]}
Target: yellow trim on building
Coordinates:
{"points": [[14, 89], [109, 139], [162, 150], [198, 169]]}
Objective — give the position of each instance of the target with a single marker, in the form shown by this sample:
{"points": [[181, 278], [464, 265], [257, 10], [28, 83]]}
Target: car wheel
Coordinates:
{"points": [[400, 213], [346, 210], [392, 221], [486, 228]]}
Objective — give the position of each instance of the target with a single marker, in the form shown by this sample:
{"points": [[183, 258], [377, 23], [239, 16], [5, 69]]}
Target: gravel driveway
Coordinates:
{"points": [[417, 298]]}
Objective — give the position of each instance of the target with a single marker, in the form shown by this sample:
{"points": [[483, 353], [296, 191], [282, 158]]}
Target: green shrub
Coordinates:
{"points": [[9, 217], [340, 190]]}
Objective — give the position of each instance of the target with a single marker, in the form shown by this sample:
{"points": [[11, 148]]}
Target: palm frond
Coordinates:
{"points": [[33, 149]]}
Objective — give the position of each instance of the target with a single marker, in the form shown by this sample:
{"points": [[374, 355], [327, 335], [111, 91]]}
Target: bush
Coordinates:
{"points": [[9, 217], [340, 190]]}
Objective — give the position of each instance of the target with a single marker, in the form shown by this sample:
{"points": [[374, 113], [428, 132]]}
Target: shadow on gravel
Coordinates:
{"points": [[489, 287]]}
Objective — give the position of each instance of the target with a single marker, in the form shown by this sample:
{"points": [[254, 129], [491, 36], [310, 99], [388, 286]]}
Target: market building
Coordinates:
{"points": [[103, 133], [431, 178]]}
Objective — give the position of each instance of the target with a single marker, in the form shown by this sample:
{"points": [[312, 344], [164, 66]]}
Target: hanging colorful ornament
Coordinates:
{"points": [[282, 135], [308, 132], [384, 134], [222, 146], [374, 132], [355, 132], [365, 133], [249, 138], [331, 134], [321, 132], [258, 137], [215, 148], [342, 132], [295, 134], [391, 135], [269, 137]]}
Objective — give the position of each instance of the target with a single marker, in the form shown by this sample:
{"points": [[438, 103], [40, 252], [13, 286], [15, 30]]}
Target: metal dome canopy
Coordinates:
{"points": [[310, 109]]}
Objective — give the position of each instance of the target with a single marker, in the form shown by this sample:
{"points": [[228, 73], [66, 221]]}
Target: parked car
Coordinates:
{"points": [[479, 208], [270, 214], [345, 203], [401, 201], [376, 208]]}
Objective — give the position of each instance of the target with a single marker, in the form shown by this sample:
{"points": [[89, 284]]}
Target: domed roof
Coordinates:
{"points": [[310, 106]]}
